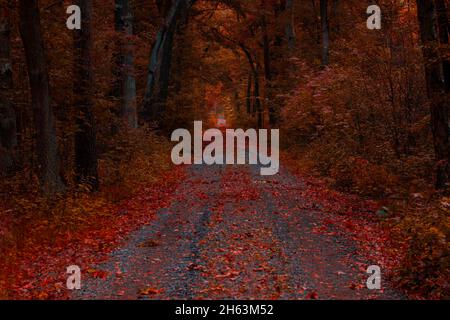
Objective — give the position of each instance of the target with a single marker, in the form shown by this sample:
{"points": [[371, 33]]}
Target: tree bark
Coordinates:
{"points": [[125, 63], [435, 81], [266, 45], [8, 129], [257, 106], [268, 74], [85, 137], [337, 25], [257, 99], [248, 99], [442, 16], [163, 7], [237, 101], [46, 141], [289, 29], [325, 32], [5, 48], [442, 8], [156, 91]]}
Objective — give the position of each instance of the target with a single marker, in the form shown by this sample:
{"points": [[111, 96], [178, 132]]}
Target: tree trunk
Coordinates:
{"points": [[434, 74], [289, 29], [5, 49], [156, 91], [237, 101], [325, 32], [85, 137], [268, 74], [257, 99], [163, 7], [126, 87], [444, 25], [46, 142], [8, 130], [248, 99], [257, 106], [336, 22], [442, 16], [317, 22], [266, 45]]}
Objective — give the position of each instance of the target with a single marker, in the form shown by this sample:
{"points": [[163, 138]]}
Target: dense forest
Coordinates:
{"points": [[86, 114]]}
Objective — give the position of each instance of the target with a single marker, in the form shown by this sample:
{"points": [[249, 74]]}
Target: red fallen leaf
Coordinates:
{"points": [[42, 296], [202, 195], [354, 286], [150, 291], [97, 273], [312, 295], [230, 274], [194, 266]]}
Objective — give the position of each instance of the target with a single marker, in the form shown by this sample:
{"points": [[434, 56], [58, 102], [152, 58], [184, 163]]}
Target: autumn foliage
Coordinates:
{"points": [[358, 120]]}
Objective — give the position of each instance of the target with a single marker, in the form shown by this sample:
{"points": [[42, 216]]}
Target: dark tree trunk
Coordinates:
{"points": [[442, 16], [46, 142], [289, 29], [257, 99], [85, 137], [126, 87], [336, 22], [325, 32], [5, 48], [163, 7], [8, 130], [317, 21], [237, 101], [156, 91], [273, 114], [257, 106], [248, 99], [435, 86], [268, 74], [266, 45], [442, 8]]}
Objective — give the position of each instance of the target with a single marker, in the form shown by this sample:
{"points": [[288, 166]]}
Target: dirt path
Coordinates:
{"points": [[233, 234]]}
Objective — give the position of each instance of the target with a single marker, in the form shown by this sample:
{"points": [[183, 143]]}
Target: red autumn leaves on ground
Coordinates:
{"points": [[36, 270]]}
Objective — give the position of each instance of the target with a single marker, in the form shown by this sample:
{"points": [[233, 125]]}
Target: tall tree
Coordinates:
{"points": [[442, 16], [254, 68], [44, 122], [289, 29], [325, 32], [248, 99], [269, 85], [125, 63], [85, 137], [336, 14], [156, 91], [442, 8], [266, 49], [434, 74], [8, 132]]}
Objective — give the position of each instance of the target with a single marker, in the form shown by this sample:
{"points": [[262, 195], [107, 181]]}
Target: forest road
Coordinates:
{"points": [[234, 234]]}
